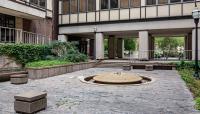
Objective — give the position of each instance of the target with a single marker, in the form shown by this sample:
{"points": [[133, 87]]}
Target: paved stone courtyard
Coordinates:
{"points": [[168, 94]]}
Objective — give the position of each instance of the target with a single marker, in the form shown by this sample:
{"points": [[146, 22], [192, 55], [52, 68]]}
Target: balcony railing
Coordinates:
{"points": [[161, 55], [12, 35], [137, 13]]}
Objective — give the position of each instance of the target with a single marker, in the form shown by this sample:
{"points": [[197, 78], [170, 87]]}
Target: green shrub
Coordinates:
{"points": [[197, 100], [46, 63], [24, 53], [74, 55]]}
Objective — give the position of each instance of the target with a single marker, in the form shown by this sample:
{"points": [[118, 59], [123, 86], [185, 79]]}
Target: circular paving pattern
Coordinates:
{"points": [[117, 78]]}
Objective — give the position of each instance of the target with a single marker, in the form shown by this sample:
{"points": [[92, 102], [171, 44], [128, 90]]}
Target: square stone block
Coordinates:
{"points": [[30, 102], [149, 67], [127, 67], [19, 79]]}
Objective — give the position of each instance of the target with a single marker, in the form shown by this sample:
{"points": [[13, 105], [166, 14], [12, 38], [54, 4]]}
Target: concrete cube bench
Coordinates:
{"points": [[19, 79], [149, 67], [30, 102], [127, 67]]}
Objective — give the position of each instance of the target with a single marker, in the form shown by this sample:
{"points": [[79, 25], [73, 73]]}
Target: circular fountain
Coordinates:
{"points": [[117, 78]]}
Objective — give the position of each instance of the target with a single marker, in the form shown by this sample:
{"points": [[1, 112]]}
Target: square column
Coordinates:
{"points": [[112, 47], [188, 46], [143, 45], [120, 48], [193, 43], [99, 46]]}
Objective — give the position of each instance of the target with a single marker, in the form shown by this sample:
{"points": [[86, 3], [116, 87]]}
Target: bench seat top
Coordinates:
{"points": [[30, 96]]}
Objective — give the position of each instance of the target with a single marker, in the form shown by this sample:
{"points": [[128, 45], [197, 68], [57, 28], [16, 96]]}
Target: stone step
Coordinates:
{"points": [[6, 75]]}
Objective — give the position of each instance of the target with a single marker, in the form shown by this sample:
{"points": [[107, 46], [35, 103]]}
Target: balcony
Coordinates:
{"points": [[171, 10], [12, 35], [23, 8]]}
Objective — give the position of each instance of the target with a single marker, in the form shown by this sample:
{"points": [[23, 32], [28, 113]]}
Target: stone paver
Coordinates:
{"points": [[168, 94]]}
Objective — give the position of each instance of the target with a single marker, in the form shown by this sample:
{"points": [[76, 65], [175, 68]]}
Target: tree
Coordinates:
{"points": [[130, 44]]}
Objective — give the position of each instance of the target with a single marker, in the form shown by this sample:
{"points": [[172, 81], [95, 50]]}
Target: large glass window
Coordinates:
{"points": [[135, 3], [124, 3], [104, 4], [187, 0], [113, 4], [66, 7], [74, 8], [91, 5], [174, 1], [82, 5], [41, 3], [151, 2], [162, 1]]}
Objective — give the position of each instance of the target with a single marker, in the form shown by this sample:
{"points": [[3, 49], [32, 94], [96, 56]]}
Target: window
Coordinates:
{"points": [[42, 3], [162, 1], [34, 2], [82, 5], [124, 3], [135, 3], [151, 2], [91, 5], [174, 1], [187, 0], [66, 7], [104, 4], [113, 4], [74, 7]]}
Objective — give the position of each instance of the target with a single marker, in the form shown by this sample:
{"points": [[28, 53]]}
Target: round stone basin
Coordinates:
{"points": [[117, 78]]}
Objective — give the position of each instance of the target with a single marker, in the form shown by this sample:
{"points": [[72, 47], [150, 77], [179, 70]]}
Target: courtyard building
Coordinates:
{"points": [[90, 22], [25, 21]]}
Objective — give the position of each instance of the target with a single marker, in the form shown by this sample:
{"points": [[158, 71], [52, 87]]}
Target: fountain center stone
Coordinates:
{"points": [[117, 78]]}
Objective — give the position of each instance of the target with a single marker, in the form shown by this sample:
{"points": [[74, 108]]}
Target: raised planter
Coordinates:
{"points": [[38, 73]]}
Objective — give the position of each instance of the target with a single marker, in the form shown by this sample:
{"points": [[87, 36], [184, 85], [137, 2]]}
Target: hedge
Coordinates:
{"points": [[24, 53]]}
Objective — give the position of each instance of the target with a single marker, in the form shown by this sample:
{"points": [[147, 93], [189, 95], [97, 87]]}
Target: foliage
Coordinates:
{"points": [[192, 83], [169, 45], [130, 44], [60, 48], [74, 55], [185, 64], [46, 63], [24, 53]]}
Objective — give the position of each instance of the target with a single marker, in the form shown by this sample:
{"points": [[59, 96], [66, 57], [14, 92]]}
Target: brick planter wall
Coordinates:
{"points": [[38, 73]]}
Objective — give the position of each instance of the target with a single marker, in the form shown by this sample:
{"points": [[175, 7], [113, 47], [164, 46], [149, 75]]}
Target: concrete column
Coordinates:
{"points": [[151, 47], [193, 43], [120, 48], [111, 47], [188, 46], [97, 5], [143, 2], [99, 46], [62, 38], [143, 45]]}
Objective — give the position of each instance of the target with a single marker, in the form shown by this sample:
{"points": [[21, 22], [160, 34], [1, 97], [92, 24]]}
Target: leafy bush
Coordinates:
{"points": [[46, 63], [24, 53], [74, 55], [192, 83]]}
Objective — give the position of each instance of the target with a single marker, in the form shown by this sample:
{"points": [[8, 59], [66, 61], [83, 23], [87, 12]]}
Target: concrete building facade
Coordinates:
{"points": [[25, 21], [91, 21]]}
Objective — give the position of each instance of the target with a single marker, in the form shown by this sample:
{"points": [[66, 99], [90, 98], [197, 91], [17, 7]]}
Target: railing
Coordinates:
{"points": [[131, 13], [162, 55], [12, 35]]}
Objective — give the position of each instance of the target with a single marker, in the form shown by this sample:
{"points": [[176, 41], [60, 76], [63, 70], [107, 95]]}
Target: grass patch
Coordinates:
{"points": [[46, 63], [192, 83]]}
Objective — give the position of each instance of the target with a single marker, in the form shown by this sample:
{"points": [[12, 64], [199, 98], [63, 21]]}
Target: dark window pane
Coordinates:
{"points": [[174, 1], [42, 3], [135, 3], [66, 7], [104, 4], [74, 6], [187, 0], [82, 7], [113, 4], [34, 2], [91, 5], [151, 2], [162, 1], [124, 4]]}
